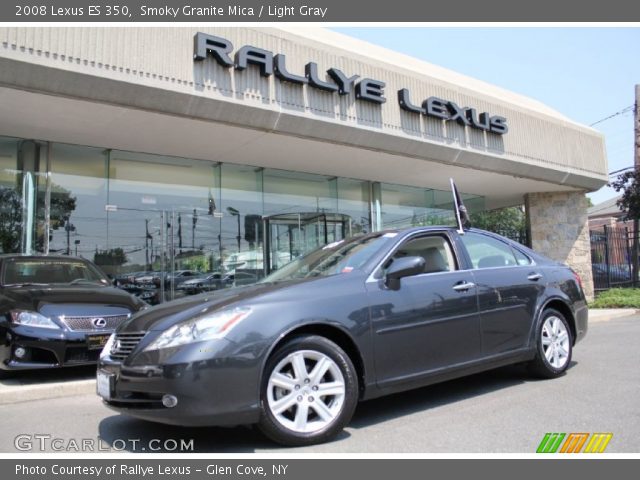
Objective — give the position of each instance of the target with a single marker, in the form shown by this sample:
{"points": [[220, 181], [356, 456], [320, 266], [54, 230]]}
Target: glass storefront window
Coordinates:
{"points": [[10, 197], [241, 229], [161, 227], [78, 221], [412, 206], [353, 200], [164, 227]]}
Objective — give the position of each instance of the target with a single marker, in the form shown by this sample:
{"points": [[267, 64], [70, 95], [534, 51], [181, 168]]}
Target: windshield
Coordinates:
{"points": [[44, 271], [336, 258]]}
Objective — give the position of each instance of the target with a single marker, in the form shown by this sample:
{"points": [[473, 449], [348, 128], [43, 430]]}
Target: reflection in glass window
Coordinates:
{"points": [[78, 220], [10, 197], [487, 252]]}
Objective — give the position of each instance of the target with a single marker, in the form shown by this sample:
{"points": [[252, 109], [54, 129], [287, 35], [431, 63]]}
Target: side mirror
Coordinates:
{"points": [[403, 267]]}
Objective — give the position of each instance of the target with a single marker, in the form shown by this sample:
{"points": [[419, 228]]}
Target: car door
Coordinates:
{"points": [[431, 321], [509, 285]]}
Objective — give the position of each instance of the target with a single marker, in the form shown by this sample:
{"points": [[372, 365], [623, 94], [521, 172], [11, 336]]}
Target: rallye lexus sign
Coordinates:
{"points": [[366, 89]]}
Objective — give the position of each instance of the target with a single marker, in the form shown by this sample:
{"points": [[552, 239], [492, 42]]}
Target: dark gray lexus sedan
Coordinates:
{"points": [[56, 311], [354, 320]]}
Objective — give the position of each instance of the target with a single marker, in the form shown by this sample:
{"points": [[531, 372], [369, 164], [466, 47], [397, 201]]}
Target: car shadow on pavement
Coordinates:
{"points": [[124, 433], [47, 376], [128, 434], [440, 394]]}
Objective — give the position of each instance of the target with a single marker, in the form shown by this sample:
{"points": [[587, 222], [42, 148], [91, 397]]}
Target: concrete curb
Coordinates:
{"points": [[597, 315], [28, 393]]}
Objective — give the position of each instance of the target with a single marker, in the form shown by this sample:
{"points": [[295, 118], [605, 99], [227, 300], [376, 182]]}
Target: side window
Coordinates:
{"points": [[435, 250], [487, 252], [521, 258]]}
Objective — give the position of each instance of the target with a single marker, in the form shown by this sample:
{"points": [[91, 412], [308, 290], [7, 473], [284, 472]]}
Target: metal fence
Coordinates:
{"points": [[611, 257], [519, 236]]}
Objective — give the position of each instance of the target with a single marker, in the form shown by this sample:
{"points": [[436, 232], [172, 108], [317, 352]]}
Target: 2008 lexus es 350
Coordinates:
{"points": [[357, 319]]}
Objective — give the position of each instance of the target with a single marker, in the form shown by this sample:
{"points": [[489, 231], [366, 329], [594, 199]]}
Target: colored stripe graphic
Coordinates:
{"points": [[598, 443], [574, 443], [550, 443]]}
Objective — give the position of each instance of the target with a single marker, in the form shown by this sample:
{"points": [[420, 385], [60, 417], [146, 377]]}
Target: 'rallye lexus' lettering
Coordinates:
{"points": [[367, 89]]}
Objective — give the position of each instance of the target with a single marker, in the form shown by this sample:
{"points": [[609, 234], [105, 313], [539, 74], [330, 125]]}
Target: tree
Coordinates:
{"points": [[62, 205], [111, 257], [629, 203], [10, 220], [509, 219]]}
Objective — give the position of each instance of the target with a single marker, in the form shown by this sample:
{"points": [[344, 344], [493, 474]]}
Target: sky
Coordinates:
{"points": [[585, 73]]}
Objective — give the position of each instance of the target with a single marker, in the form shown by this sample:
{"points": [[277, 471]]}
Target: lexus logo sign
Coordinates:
{"points": [[99, 322]]}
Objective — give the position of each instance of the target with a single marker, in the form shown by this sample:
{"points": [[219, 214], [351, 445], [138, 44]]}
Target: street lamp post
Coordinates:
{"points": [[236, 213]]}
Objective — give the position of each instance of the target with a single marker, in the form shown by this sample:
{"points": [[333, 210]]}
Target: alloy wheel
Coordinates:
{"points": [[306, 391], [555, 342]]}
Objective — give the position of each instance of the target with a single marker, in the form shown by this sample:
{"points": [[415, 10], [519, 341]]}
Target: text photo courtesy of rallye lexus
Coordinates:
{"points": [[353, 320], [56, 311]]}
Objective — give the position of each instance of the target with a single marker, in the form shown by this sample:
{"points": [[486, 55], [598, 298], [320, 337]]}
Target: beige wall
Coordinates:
{"points": [[559, 229], [541, 143]]}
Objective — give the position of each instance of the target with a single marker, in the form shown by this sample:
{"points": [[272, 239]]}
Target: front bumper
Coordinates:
{"points": [[214, 385], [47, 348]]}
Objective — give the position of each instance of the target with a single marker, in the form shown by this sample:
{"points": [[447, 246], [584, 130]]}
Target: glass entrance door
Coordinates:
{"points": [[291, 235]]}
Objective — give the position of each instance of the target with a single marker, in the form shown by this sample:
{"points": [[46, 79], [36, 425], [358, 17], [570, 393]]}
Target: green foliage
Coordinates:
{"points": [[629, 183], [199, 263], [111, 257], [62, 205], [617, 298], [500, 220]]}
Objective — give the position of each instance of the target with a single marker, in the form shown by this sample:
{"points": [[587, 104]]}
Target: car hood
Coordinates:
{"points": [[167, 314], [35, 298]]}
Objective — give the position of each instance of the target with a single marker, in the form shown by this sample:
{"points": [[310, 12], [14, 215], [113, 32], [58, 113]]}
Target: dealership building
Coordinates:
{"points": [[235, 149]]}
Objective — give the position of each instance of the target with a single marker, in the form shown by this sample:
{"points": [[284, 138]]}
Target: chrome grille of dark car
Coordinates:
{"points": [[124, 344], [87, 323]]}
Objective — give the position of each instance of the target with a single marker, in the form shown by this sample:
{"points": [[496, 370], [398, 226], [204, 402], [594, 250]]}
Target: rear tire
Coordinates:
{"points": [[309, 392], [554, 346]]}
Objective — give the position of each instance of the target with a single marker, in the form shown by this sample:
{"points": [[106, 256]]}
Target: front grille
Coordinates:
{"points": [[89, 323], [81, 355], [124, 344]]}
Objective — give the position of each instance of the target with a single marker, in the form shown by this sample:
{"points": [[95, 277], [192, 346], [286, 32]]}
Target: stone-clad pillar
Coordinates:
{"points": [[559, 229]]}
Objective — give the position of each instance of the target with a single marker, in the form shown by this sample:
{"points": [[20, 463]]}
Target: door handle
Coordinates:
{"points": [[534, 277], [464, 286]]}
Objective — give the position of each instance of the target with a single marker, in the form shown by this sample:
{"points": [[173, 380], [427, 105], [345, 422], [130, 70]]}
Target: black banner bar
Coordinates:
{"points": [[317, 11], [316, 469]]}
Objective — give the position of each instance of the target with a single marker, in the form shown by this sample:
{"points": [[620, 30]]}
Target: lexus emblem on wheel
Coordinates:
{"points": [[99, 322]]}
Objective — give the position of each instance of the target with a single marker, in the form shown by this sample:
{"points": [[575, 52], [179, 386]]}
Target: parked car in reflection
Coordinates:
{"points": [[56, 311], [614, 273], [354, 320], [205, 283]]}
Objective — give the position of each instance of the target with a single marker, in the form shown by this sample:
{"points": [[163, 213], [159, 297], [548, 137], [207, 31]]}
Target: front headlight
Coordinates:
{"points": [[207, 327], [32, 319]]}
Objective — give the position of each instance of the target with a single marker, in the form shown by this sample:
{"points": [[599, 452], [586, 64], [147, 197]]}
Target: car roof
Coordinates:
{"points": [[9, 256]]}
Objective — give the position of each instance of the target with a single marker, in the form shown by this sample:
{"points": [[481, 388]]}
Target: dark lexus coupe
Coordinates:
{"points": [[354, 320], [56, 311]]}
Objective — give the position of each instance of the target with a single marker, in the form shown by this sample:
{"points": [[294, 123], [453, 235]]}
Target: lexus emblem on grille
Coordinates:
{"points": [[99, 322]]}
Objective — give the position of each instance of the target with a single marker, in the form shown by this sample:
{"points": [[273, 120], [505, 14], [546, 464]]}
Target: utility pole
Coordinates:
{"points": [[146, 244], [636, 162]]}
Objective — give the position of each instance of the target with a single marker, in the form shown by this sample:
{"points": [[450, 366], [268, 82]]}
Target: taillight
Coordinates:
{"points": [[578, 279]]}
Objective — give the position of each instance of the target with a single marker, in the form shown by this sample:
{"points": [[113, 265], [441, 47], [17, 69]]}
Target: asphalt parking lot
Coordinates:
{"points": [[499, 411]]}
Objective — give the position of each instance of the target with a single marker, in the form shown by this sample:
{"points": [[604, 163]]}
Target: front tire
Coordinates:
{"points": [[554, 346], [309, 392]]}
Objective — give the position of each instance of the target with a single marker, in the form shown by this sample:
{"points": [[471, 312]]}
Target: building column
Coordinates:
{"points": [[559, 229]]}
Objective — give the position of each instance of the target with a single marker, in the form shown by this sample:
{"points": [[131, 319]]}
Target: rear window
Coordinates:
{"points": [[47, 271]]}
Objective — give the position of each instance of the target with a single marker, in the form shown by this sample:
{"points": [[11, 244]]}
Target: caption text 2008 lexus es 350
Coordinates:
{"points": [[354, 320]]}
